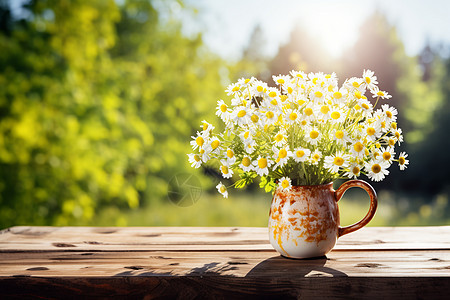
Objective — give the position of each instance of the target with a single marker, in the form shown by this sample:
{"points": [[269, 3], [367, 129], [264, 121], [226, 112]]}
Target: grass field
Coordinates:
{"points": [[251, 209]]}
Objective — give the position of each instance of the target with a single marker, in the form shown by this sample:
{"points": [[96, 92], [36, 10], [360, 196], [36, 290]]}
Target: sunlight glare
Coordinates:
{"points": [[335, 25]]}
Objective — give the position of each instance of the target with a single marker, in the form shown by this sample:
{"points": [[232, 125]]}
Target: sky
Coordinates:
{"points": [[227, 25]]}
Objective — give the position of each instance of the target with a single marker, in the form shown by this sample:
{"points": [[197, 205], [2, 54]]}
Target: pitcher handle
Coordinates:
{"points": [[372, 209]]}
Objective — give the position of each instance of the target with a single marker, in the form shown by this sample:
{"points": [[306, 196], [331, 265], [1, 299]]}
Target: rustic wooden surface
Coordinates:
{"points": [[219, 262]]}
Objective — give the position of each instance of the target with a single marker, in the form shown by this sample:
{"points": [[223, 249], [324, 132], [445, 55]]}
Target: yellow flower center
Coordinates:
{"points": [[335, 115], [357, 107], [388, 114], [376, 168], [230, 153], [308, 111], [324, 109], [301, 102], [358, 94], [246, 161], [199, 140], [283, 98], [355, 84], [280, 80], [318, 94], [397, 135], [259, 88], [255, 118], [368, 79], [300, 153], [282, 153], [337, 95], [316, 156], [247, 80], [370, 131], [355, 170], [401, 160], [365, 106], [272, 94], [394, 125], [304, 122], [235, 89], [386, 156], [215, 144], [358, 146], [383, 124], [339, 134], [285, 184], [391, 142], [196, 157], [223, 107], [205, 126], [380, 93], [279, 137], [290, 90], [262, 163], [338, 161], [293, 116], [223, 189], [241, 113], [269, 115], [224, 169], [313, 134]]}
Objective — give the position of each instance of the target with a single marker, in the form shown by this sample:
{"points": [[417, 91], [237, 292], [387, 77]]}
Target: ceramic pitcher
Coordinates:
{"points": [[304, 221]]}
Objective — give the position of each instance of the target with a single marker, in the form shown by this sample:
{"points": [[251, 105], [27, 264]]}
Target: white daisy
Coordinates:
{"points": [[376, 170], [402, 161], [230, 157], [389, 113], [354, 171], [279, 138], [246, 164], [195, 160], [315, 157], [313, 135], [261, 165], [378, 93], [227, 172], [387, 154], [233, 89], [198, 141], [336, 161], [240, 116], [370, 80], [285, 184], [373, 131], [222, 189], [301, 154], [358, 149], [341, 136], [222, 110], [282, 156]]}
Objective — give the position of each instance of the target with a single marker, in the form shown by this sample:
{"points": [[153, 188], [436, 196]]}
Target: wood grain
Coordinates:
{"points": [[220, 262]]}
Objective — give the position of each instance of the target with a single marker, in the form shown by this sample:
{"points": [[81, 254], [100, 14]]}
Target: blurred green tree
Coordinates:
{"points": [[98, 101]]}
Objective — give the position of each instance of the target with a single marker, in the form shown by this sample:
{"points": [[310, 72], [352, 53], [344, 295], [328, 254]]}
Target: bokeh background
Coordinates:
{"points": [[99, 98]]}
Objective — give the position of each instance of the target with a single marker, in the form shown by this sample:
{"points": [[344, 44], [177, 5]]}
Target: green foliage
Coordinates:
{"points": [[96, 105]]}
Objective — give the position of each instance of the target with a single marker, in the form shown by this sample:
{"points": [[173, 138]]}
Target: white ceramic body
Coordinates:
{"points": [[304, 222]]}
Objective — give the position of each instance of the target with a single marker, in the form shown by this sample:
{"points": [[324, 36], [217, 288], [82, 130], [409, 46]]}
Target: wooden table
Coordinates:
{"points": [[219, 262]]}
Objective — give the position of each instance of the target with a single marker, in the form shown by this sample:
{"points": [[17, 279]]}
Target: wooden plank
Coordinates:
{"points": [[220, 287], [434, 263], [206, 239], [223, 262]]}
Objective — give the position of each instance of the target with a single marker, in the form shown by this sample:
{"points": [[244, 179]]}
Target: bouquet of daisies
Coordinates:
{"points": [[305, 131]]}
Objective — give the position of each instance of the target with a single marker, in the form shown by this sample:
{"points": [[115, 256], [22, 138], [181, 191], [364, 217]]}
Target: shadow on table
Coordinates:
{"points": [[279, 267]]}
